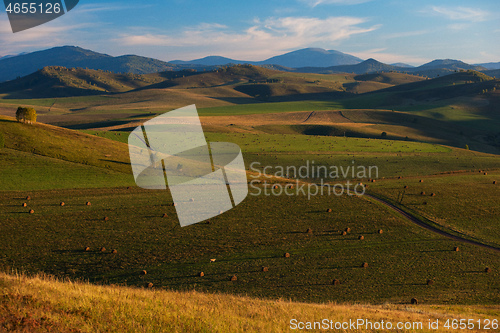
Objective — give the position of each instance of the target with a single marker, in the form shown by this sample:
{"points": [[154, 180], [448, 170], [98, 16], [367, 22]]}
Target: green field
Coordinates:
{"points": [[255, 234], [456, 206]]}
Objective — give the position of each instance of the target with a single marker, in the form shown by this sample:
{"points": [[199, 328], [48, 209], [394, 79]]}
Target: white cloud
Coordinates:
{"points": [[263, 39], [460, 13], [314, 3], [62, 31]]}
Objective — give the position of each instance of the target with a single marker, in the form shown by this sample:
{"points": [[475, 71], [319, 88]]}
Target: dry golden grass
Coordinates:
{"points": [[41, 304]]}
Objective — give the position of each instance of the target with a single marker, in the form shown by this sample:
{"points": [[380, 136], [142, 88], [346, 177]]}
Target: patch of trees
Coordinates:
{"points": [[26, 115]]}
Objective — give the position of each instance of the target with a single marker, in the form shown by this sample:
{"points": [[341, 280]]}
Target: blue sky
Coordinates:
{"points": [[391, 31]]}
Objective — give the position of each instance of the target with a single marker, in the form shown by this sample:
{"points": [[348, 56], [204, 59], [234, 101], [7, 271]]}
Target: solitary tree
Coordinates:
{"points": [[26, 115], [383, 135]]}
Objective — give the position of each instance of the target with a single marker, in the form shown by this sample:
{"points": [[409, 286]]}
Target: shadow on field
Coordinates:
{"points": [[432, 251], [406, 284], [116, 162], [474, 272], [74, 251], [98, 124]]}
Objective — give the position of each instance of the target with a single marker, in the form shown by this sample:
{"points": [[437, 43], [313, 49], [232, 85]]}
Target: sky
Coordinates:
{"points": [[413, 32]]}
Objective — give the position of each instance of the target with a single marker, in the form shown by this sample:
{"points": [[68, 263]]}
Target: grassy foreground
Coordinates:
{"points": [[42, 304]]}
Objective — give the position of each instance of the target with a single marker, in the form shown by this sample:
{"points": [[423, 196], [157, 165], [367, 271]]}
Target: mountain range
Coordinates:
{"points": [[309, 60], [309, 57]]}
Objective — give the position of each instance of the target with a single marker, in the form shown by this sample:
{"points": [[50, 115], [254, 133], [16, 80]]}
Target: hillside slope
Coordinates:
{"points": [[42, 304], [63, 82], [65, 144]]}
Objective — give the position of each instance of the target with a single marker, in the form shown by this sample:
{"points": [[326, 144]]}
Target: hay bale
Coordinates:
{"points": [[143, 272], [62, 204], [25, 204], [191, 200], [212, 260], [286, 255], [487, 270], [87, 249], [106, 218], [28, 198], [329, 210], [88, 203], [456, 249], [149, 285], [275, 187], [433, 194], [380, 231], [405, 187], [361, 237], [421, 181], [165, 215], [494, 182], [344, 233], [373, 180], [430, 282], [32, 211], [335, 282], [233, 278], [114, 251], [309, 231], [400, 177], [347, 229], [201, 274], [174, 204], [103, 249], [364, 265], [265, 269], [414, 301], [422, 193], [485, 173]]}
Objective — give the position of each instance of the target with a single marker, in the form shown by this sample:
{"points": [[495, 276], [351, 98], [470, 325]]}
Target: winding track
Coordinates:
{"points": [[429, 227]]}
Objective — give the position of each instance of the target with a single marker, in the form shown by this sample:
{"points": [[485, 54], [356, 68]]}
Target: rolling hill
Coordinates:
{"points": [[64, 82], [238, 81], [76, 57], [365, 67], [65, 144]]}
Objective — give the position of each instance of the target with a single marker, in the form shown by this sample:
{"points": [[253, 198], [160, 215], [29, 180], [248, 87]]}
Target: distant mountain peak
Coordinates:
{"points": [[371, 61], [311, 56]]}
